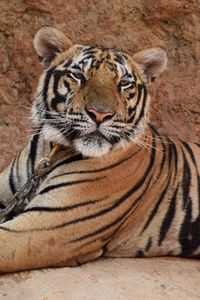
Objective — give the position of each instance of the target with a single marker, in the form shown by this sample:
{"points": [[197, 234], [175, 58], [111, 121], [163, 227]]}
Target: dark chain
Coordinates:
{"points": [[21, 198]]}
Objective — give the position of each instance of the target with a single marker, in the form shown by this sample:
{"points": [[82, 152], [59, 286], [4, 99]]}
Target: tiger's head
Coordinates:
{"points": [[91, 97]]}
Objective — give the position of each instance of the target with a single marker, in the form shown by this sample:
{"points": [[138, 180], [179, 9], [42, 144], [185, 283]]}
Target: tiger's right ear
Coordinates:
{"points": [[49, 41]]}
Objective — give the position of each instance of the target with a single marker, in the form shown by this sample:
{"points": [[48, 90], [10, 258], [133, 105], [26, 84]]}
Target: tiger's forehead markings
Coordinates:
{"points": [[93, 56], [122, 65], [83, 60]]}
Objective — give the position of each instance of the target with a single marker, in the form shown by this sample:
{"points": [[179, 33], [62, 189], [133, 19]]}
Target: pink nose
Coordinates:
{"points": [[99, 116]]}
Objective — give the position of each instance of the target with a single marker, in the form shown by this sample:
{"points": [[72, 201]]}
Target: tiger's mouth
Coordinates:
{"points": [[89, 144], [94, 144], [97, 135]]}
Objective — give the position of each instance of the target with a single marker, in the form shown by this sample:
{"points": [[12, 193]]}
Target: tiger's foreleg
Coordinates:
{"points": [[37, 239]]}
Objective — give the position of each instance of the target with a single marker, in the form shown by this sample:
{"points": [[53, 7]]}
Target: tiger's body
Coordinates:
{"points": [[117, 188]]}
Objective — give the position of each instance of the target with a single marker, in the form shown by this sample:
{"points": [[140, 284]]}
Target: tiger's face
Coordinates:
{"points": [[90, 97]]}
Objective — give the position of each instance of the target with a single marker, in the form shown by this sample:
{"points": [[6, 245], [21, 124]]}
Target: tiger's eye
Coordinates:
{"points": [[78, 75], [124, 81]]}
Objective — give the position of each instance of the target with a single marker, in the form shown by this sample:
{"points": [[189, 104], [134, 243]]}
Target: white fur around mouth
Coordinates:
{"points": [[92, 145], [53, 135]]}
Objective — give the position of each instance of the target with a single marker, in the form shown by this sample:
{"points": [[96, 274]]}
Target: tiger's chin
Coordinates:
{"points": [[92, 146]]}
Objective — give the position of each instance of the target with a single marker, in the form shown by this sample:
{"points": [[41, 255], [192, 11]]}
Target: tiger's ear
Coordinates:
{"points": [[152, 61], [48, 41]]}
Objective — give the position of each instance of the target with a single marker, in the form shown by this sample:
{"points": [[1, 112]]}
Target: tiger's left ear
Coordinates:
{"points": [[48, 41], [152, 61]]}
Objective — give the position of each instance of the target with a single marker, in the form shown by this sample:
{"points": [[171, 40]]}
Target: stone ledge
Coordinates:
{"points": [[119, 279]]}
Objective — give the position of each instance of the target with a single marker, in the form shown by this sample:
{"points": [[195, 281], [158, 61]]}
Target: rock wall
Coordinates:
{"points": [[129, 25]]}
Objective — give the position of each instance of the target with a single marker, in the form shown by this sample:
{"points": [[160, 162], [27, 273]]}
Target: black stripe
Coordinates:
{"points": [[170, 155], [63, 208], [46, 86], [18, 167], [131, 95], [175, 155], [119, 59], [11, 178], [154, 136], [67, 85], [131, 109], [140, 86], [97, 170], [189, 236], [156, 207], [163, 160], [168, 218], [86, 57], [171, 151], [189, 150], [148, 245], [100, 230], [33, 151], [141, 115], [57, 100], [186, 180], [139, 253], [76, 67], [92, 49], [130, 120], [70, 160], [153, 129], [57, 75], [65, 184], [8, 229], [75, 240], [184, 235], [68, 63]]}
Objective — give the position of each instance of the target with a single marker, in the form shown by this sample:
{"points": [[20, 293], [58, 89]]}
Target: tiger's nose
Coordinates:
{"points": [[99, 116]]}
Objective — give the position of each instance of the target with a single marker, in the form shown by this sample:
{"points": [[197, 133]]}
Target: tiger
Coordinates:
{"points": [[116, 187]]}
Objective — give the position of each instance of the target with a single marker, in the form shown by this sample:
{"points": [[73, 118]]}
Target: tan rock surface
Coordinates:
{"points": [[117, 279], [130, 25]]}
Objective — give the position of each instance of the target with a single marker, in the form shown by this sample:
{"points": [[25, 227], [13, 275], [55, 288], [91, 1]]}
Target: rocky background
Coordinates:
{"points": [[127, 24]]}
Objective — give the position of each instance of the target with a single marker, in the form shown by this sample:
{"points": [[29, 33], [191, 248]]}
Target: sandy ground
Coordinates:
{"points": [[117, 279]]}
